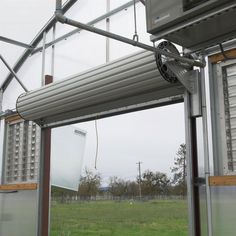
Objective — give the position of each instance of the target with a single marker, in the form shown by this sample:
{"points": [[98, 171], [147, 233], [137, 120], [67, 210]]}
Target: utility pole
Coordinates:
{"points": [[139, 179]]}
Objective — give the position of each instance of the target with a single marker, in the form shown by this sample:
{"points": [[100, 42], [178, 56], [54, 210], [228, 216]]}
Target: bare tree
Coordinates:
{"points": [[117, 186], [89, 184], [155, 183], [132, 189], [179, 171]]}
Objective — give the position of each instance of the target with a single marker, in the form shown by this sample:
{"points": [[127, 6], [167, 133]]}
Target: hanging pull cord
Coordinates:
{"points": [[135, 37], [96, 155], [224, 54]]}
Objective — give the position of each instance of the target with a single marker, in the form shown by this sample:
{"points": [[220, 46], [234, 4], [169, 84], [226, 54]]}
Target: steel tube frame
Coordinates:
{"points": [[75, 31], [44, 183], [30, 50], [15, 42], [53, 51], [44, 178], [206, 154], [61, 18], [189, 164], [108, 3], [13, 73], [34, 43], [43, 59]]}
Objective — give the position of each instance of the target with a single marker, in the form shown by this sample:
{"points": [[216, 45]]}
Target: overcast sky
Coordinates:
{"points": [[151, 136]]}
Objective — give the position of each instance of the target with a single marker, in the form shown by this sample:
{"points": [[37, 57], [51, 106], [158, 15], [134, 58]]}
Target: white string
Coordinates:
{"points": [[96, 155]]}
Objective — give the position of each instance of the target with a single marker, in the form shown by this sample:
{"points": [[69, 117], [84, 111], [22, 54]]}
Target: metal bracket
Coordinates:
{"points": [[184, 76], [191, 80], [199, 181]]}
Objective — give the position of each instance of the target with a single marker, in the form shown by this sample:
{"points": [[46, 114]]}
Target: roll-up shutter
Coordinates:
{"points": [[122, 84]]}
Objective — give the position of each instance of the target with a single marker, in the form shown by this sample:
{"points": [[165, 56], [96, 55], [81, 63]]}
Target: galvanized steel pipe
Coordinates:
{"points": [[61, 18]]}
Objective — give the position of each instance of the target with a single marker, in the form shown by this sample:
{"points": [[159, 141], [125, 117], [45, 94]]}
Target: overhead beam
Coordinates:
{"points": [[65, 20], [75, 31], [34, 44]]}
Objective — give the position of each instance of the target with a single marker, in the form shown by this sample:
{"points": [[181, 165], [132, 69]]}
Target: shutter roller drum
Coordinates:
{"points": [[125, 82]]}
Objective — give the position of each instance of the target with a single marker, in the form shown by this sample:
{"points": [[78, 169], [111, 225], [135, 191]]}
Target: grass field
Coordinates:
{"points": [[107, 218]]}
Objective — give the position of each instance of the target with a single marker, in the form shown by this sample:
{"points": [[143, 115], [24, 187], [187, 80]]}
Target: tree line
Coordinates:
{"points": [[151, 183]]}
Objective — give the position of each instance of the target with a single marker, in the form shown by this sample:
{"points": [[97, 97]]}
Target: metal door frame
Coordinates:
{"points": [[219, 140], [193, 198]]}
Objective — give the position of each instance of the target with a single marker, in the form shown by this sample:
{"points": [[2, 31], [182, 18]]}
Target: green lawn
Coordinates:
{"points": [[107, 218]]}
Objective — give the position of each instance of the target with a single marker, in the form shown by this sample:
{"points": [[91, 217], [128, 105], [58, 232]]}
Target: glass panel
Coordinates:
{"points": [[67, 152], [201, 174], [18, 213], [200, 148], [203, 210], [223, 209]]}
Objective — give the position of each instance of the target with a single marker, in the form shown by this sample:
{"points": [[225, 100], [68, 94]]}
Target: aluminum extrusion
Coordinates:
{"points": [[125, 82]]}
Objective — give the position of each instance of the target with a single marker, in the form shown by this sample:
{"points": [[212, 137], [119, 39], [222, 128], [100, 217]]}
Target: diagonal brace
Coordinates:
{"points": [[15, 42], [13, 73]]}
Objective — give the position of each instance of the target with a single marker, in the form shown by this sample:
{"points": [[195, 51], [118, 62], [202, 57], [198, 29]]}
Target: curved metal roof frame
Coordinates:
{"points": [[32, 48], [34, 43]]}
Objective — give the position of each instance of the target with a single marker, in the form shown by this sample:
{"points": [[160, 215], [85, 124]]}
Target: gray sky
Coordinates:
{"points": [[150, 136]]}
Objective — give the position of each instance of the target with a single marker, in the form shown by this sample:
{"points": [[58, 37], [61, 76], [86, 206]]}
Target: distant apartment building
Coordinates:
{"points": [[21, 151]]}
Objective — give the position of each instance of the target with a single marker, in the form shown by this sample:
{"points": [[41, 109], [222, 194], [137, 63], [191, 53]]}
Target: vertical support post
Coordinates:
{"points": [[195, 177], [1, 98], [192, 169], [44, 178], [43, 57], [1, 132], [53, 50], [206, 153], [108, 30]]}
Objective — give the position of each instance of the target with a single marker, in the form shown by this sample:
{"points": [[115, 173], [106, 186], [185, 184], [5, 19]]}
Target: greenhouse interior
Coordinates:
{"points": [[118, 118]]}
